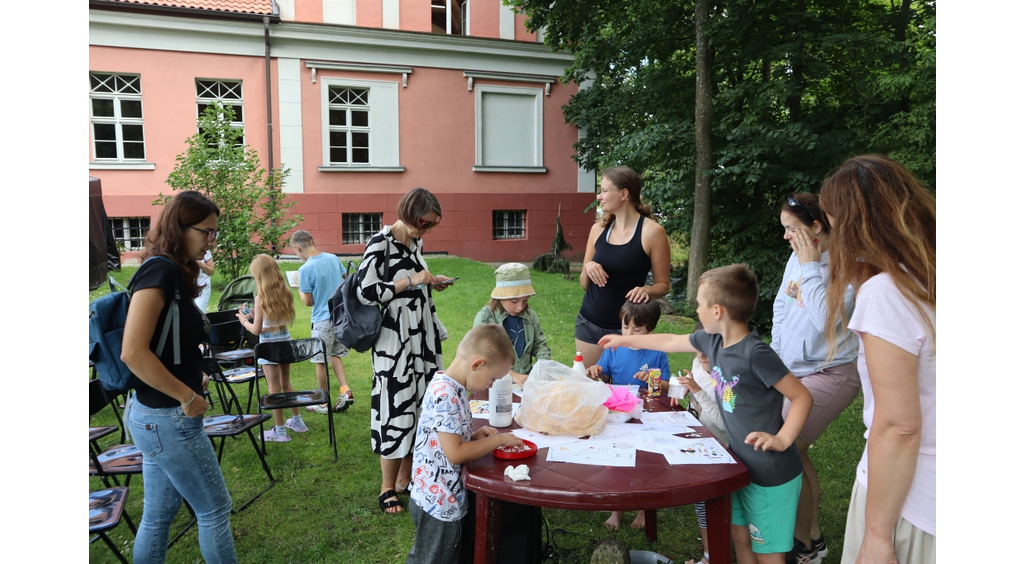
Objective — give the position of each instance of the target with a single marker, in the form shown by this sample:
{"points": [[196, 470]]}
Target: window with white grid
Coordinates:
{"points": [[130, 232], [348, 123], [116, 111], [359, 227], [228, 93], [509, 224]]}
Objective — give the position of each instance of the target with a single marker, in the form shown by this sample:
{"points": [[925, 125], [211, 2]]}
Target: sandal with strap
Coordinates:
{"points": [[386, 503], [403, 491]]}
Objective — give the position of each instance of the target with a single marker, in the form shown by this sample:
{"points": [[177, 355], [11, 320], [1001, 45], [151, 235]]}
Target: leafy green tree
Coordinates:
{"points": [[797, 87], [254, 213]]}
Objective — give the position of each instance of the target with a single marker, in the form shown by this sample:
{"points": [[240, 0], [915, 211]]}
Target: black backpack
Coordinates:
{"points": [[356, 324]]}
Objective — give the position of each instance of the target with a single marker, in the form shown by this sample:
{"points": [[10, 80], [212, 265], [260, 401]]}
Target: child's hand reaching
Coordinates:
{"points": [[508, 439], [594, 372], [688, 382], [484, 432], [766, 441], [612, 341]]}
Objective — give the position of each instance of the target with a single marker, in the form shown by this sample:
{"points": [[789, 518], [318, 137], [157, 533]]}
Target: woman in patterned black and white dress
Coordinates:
{"points": [[408, 351]]}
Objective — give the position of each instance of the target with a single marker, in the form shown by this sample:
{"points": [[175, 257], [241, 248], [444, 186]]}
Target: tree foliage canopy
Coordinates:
{"points": [[253, 213], [799, 86]]}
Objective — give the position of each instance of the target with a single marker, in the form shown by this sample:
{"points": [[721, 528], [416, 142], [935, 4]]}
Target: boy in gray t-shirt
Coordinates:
{"points": [[751, 383]]}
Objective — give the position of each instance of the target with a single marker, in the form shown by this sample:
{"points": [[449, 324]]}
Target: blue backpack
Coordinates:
{"points": [[107, 315]]}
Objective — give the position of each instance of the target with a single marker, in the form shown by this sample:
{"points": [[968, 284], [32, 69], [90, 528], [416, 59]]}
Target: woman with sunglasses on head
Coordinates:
{"points": [[800, 337], [883, 225], [624, 245], [394, 275], [165, 414]]}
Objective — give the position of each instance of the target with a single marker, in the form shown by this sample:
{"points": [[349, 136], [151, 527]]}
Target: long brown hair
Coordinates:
{"points": [[883, 220], [276, 302], [167, 238], [624, 178]]}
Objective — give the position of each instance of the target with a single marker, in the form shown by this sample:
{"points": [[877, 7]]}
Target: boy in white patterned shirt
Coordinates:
{"points": [[444, 443]]}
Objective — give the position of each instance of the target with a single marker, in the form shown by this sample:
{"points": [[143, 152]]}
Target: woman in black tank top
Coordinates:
{"points": [[624, 245]]}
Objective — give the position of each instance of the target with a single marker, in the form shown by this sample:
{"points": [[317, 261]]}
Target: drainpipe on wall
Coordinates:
{"points": [[270, 118]]}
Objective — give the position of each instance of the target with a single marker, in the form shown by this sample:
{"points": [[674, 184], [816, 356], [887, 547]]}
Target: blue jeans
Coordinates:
{"points": [[178, 462]]}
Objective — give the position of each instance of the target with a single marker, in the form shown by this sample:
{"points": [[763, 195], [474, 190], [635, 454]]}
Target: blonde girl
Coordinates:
{"points": [[269, 318]]}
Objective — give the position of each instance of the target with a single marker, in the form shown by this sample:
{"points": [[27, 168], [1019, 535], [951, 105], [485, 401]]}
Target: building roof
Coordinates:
{"points": [[261, 7]]}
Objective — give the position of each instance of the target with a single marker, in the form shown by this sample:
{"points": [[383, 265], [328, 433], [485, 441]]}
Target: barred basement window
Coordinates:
{"points": [[348, 125], [359, 227], [116, 111], [130, 232], [509, 224]]}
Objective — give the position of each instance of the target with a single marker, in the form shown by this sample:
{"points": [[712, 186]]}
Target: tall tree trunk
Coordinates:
{"points": [[699, 237]]}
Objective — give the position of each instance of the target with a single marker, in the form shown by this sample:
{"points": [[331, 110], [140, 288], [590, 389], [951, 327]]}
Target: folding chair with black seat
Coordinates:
{"points": [[227, 340], [106, 507], [291, 352], [228, 425], [118, 460]]}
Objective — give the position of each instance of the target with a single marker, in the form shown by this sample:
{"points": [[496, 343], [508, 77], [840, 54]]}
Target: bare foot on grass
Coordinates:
{"points": [[639, 522], [615, 520]]}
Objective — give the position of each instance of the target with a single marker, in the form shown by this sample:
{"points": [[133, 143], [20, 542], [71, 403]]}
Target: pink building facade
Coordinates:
{"points": [[367, 99]]}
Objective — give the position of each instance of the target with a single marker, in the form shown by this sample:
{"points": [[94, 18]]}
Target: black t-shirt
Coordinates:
{"points": [[744, 374], [156, 273], [627, 267]]}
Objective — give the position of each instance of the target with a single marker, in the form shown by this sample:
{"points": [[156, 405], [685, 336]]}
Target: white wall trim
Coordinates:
{"points": [[360, 67], [384, 123], [341, 12], [323, 42], [339, 168], [390, 14], [289, 104], [506, 22], [100, 165], [529, 169], [511, 77]]}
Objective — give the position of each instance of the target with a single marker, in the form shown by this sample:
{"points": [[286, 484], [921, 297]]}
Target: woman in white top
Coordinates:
{"points": [[883, 242], [206, 269]]}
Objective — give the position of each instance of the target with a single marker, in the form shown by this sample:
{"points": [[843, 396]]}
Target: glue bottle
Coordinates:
{"points": [[499, 408], [577, 364]]}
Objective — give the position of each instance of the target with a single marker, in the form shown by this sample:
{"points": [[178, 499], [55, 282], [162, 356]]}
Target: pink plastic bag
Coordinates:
{"points": [[624, 401]]}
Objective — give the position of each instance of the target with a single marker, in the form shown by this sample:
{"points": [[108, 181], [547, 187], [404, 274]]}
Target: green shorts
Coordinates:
{"points": [[769, 513]]}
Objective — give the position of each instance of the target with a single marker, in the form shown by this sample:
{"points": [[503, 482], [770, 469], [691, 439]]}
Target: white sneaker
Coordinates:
{"points": [[296, 425], [274, 437], [318, 408]]}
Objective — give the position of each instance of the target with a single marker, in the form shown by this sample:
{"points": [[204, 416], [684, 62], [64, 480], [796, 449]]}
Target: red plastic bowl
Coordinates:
{"points": [[531, 450]]}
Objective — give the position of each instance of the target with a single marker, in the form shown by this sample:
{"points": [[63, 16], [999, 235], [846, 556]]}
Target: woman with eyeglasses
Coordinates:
{"points": [[800, 336], [394, 275], [884, 245], [165, 414]]}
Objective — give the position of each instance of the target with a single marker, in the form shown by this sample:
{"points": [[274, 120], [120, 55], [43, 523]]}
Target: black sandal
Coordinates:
{"points": [[385, 505]]}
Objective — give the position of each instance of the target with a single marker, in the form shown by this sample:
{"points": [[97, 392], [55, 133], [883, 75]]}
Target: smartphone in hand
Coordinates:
{"points": [[445, 283]]}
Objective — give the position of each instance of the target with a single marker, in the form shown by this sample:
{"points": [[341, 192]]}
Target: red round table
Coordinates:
{"points": [[652, 484]]}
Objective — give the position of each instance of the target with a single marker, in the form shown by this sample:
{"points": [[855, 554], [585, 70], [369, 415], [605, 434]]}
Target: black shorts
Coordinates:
{"points": [[589, 332]]}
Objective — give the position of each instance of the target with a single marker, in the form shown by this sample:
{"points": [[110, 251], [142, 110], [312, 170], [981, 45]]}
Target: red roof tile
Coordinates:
{"points": [[239, 6]]}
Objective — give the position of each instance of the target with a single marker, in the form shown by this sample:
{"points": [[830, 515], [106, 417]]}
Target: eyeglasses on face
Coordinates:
{"points": [[211, 234], [424, 225]]}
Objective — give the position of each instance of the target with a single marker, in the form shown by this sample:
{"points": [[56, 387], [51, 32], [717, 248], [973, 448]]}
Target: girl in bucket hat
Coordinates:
{"points": [[508, 308]]}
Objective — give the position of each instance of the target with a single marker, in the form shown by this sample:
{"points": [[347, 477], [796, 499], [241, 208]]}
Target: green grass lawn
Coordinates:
{"points": [[325, 512]]}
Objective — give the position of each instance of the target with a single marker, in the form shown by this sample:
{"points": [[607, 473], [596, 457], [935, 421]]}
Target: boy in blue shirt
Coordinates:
{"points": [[319, 277], [750, 385], [623, 366], [626, 365], [444, 443]]}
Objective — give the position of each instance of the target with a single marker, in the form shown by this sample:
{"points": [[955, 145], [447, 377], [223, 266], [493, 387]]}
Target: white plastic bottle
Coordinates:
{"points": [[499, 409], [577, 364]]}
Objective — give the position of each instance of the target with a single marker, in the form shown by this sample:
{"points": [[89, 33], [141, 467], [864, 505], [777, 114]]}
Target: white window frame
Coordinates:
{"points": [[203, 98], [117, 120], [125, 228], [479, 90], [446, 7], [506, 217], [383, 125], [350, 129], [361, 219]]}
